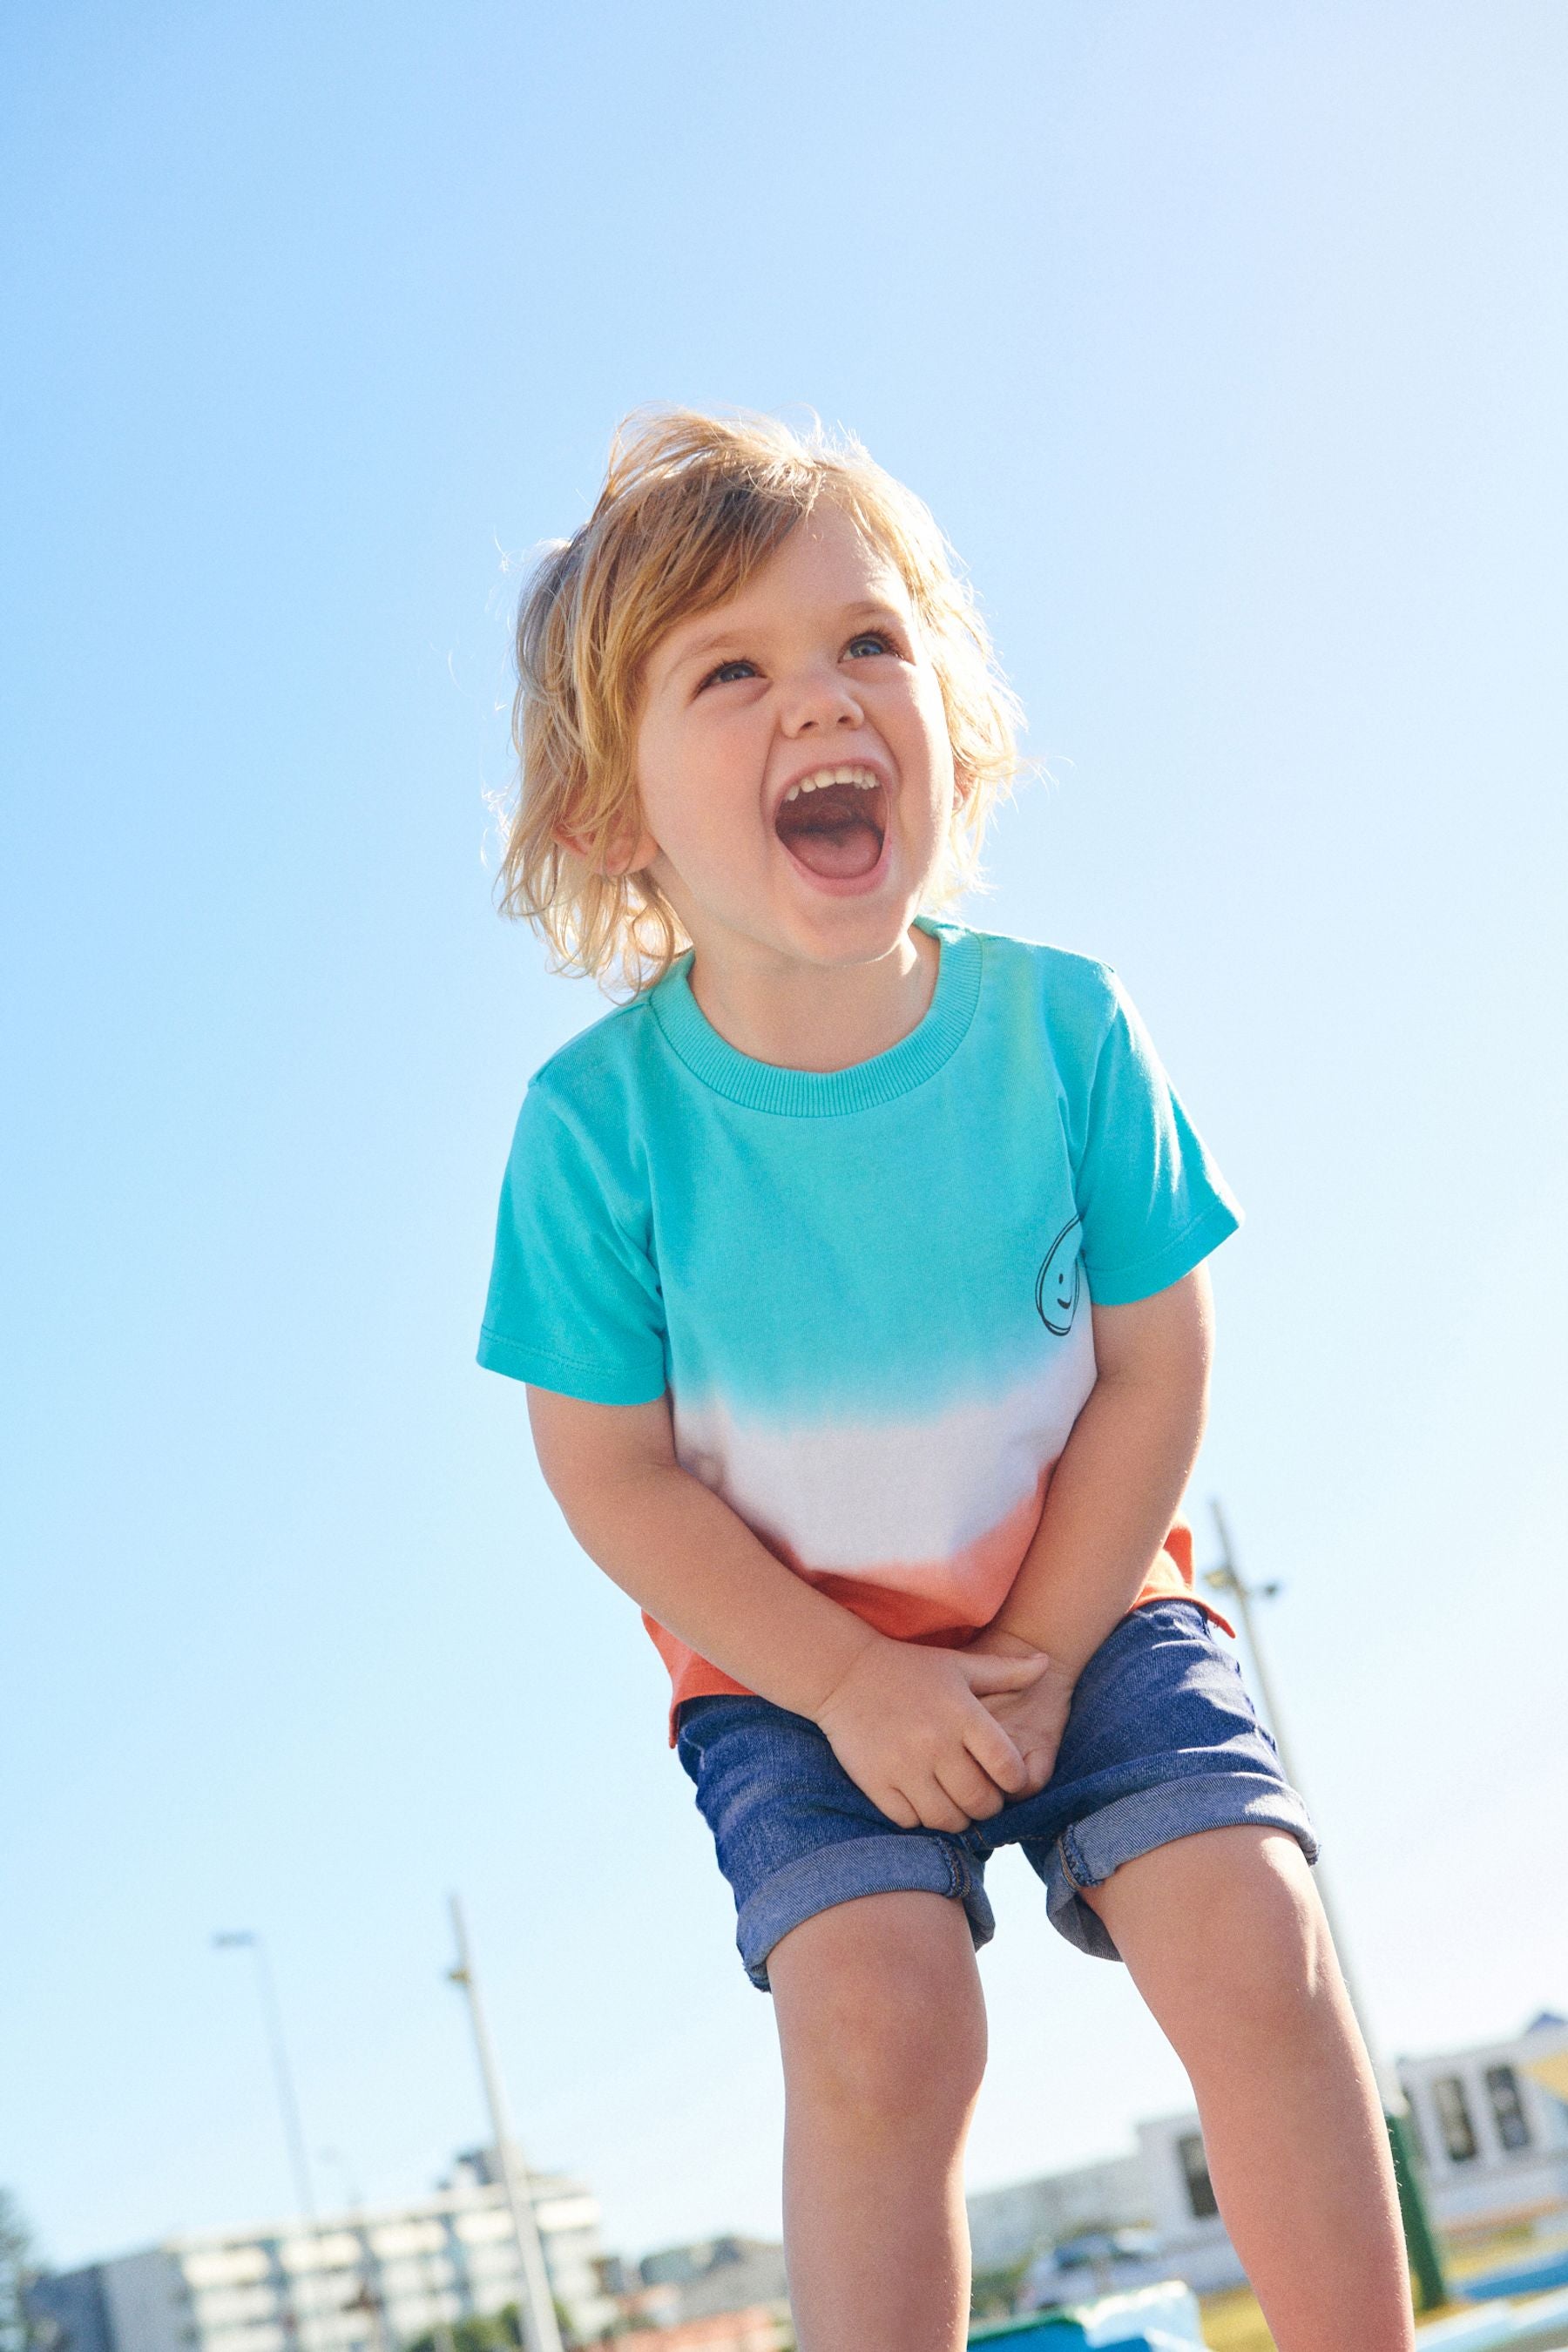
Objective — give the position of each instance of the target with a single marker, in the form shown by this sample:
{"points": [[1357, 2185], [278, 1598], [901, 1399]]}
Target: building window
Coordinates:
{"points": [[1454, 2119], [1508, 2107], [1195, 2177]]}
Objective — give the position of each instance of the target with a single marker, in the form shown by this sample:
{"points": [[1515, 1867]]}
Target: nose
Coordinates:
{"points": [[820, 701]]}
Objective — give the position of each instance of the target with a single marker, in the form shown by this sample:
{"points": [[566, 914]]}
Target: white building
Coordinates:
{"points": [[1490, 2123], [1181, 2207], [358, 2281], [1494, 2136]]}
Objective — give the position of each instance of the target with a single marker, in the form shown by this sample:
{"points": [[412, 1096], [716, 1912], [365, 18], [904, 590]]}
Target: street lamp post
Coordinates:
{"points": [[536, 2305], [246, 1939], [1420, 2240]]}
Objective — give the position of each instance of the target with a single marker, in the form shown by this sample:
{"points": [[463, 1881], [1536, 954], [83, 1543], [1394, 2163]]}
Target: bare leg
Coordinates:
{"points": [[1226, 1941], [882, 2028]]}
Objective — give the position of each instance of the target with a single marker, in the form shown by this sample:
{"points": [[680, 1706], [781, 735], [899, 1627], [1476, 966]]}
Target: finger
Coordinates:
{"points": [[938, 1811], [995, 1752], [896, 1806], [972, 1791], [987, 1674]]}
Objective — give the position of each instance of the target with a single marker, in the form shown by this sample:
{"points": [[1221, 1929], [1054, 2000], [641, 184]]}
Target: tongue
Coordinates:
{"points": [[831, 833], [843, 850]]}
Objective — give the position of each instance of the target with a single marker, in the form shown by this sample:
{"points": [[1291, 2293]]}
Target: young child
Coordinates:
{"points": [[855, 1268]]}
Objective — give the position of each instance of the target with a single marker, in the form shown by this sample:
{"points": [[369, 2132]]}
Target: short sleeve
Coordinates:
{"points": [[1152, 1202], [574, 1302]]}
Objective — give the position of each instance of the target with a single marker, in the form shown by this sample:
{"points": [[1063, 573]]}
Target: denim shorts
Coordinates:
{"points": [[1161, 1741]]}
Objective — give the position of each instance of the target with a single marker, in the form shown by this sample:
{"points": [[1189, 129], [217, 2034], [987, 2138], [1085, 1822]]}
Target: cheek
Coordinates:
{"points": [[930, 713], [666, 768], [691, 783]]}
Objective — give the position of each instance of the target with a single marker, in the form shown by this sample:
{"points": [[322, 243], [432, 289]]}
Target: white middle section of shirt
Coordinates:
{"points": [[891, 1501]]}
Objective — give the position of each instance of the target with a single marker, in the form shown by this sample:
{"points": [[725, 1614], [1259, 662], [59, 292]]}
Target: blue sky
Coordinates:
{"points": [[1229, 346]]}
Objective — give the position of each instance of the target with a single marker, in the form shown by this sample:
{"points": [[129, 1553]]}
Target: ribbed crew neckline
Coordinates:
{"points": [[823, 1094]]}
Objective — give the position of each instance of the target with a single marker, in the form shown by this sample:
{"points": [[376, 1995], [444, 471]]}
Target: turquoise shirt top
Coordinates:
{"points": [[865, 1291]]}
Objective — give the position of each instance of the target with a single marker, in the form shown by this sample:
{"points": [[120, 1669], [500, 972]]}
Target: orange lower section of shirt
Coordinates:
{"points": [[908, 1617]]}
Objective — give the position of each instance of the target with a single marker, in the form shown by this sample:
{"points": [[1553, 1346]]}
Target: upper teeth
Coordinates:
{"points": [[822, 777]]}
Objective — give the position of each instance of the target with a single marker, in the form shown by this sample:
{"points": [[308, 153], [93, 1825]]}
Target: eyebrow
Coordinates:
{"points": [[702, 646]]}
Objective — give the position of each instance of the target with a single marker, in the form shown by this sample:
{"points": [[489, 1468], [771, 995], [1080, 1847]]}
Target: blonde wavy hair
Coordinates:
{"points": [[691, 506]]}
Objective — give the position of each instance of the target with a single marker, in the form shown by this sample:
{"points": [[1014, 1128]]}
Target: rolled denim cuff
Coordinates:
{"points": [[1086, 1854], [901, 1862]]}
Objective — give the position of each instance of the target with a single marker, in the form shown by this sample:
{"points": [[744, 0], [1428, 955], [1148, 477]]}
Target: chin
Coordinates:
{"points": [[854, 933]]}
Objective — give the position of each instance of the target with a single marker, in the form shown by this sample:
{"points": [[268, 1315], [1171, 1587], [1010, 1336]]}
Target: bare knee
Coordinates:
{"points": [[880, 2010], [883, 2057], [1278, 1969], [1224, 1933]]}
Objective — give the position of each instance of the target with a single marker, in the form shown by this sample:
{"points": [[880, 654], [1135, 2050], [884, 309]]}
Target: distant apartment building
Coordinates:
{"points": [[357, 2281]]}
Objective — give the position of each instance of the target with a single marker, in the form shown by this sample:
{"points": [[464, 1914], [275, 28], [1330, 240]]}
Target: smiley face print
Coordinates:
{"points": [[1060, 1279]]}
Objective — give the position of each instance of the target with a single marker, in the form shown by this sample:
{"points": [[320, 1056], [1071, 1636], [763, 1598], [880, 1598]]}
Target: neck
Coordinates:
{"points": [[814, 1017]]}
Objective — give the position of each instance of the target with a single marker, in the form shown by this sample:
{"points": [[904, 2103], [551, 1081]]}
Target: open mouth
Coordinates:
{"points": [[834, 822]]}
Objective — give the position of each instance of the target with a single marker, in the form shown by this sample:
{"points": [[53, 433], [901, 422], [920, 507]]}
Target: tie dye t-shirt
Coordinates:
{"points": [[867, 1291]]}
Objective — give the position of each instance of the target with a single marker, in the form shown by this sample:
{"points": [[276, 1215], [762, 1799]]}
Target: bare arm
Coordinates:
{"points": [[1110, 1502], [906, 1722]]}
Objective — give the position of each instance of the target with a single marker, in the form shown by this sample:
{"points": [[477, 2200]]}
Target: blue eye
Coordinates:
{"points": [[877, 640], [728, 670]]}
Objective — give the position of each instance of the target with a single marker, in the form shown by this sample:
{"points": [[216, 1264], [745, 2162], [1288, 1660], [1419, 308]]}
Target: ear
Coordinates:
{"points": [[627, 854]]}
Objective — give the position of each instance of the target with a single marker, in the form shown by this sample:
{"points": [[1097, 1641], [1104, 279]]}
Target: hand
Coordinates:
{"points": [[1033, 1714], [910, 1727]]}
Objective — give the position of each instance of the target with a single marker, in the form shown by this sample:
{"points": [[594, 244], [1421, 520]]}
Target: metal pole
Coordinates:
{"points": [[369, 2299], [1420, 2239], [536, 2305], [246, 1939]]}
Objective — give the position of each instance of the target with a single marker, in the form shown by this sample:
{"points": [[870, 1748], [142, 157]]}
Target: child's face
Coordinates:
{"points": [[816, 674]]}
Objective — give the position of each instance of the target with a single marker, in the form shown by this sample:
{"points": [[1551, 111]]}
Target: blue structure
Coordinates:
{"points": [[1517, 2278], [1155, 2319]]}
